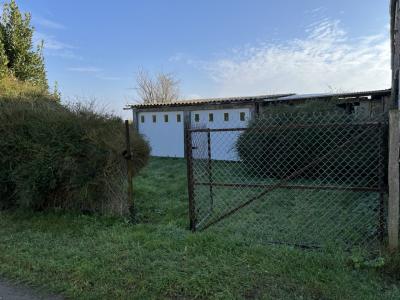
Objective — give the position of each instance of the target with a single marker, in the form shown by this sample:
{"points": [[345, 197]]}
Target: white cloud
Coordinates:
{"points": [[94, 71], [177, 57], [109, 78], [67, 54], [54, 47], [326, 59], [193, 96], [316, 10], [47, 23], [50, 42], [85, 69]]}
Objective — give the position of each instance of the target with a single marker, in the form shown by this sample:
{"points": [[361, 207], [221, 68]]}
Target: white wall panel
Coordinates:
{"points": [[165, 138], [222, 143]]}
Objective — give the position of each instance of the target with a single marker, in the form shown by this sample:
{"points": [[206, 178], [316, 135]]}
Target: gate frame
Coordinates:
{"points": [[382, 189], [189, 167], [393, 180]]}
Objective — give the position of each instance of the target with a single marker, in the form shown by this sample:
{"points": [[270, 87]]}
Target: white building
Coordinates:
{"points": [[163, 124]]}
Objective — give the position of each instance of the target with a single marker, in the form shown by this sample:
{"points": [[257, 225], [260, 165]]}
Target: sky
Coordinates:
{"points": [[95, 48]]}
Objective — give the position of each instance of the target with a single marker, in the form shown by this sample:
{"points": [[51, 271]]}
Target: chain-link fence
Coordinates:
{"points": [[310, 180]]}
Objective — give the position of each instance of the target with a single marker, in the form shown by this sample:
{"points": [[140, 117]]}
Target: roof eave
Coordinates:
{"points": [[212, 101]]}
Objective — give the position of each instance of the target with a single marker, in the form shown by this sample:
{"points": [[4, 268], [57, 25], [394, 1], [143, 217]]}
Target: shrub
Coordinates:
{"points": [[12, 89], [337, 153], [54, 156]]}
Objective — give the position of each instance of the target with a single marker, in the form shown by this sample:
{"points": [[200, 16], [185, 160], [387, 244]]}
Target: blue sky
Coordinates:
{"points": [[216, 48]]}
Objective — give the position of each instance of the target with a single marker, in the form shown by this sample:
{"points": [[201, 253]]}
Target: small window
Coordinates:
{"points": [[242, 116], [196, 117], [211, 117], [166, 118], [226, 117], [142, 119], [178, 118], [154, 118]]}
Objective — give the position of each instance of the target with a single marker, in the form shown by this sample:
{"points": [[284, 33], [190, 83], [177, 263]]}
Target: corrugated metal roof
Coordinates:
{"points": [[225, 100], [263, 98], [336, 95]]}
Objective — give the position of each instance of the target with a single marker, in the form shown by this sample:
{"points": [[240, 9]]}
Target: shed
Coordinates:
{"points": [[163, 124]]}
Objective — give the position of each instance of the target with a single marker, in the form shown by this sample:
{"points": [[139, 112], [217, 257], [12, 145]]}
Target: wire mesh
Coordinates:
{"points": [[311, 180]]}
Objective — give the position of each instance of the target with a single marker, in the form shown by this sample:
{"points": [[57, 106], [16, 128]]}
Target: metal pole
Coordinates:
{"points": [[190, 181], [383, 149], [210, 171], [393, 180], [128, 157]]}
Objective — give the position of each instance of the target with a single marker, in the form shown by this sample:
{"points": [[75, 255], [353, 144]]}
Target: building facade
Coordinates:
{"points": [[163, 124]]}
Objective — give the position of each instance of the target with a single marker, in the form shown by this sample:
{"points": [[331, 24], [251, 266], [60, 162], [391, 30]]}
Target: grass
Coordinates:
{"points": [[93, 257], [308, 217]]}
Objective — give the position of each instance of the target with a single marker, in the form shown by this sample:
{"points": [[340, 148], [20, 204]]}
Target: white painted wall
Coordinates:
{"points": [[166, 139], [222, 143]]}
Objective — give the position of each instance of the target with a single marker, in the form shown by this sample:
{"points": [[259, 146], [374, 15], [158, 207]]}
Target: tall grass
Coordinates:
{"points": [[12, 89]]}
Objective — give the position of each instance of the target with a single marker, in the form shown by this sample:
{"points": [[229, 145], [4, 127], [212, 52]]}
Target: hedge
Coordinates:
{"points": [[67, 158], [276, 147]]}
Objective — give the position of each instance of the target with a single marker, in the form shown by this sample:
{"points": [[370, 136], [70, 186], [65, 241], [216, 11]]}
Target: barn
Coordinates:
{"points": [[163, 124]]}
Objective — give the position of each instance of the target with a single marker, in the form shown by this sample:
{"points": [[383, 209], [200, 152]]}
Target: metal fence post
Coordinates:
{"points": [[189, 166], [128, 157], [382, 186], [210, 177], [393, 180]]}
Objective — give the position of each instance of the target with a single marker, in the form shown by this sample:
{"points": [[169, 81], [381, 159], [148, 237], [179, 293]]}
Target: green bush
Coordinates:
{"points": [[52, 156], [279, 146], [12, 89]]}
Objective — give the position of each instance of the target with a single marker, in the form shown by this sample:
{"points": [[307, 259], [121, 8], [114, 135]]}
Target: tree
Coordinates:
{"points": [[24, 62], [163, 88], [3, 61]]}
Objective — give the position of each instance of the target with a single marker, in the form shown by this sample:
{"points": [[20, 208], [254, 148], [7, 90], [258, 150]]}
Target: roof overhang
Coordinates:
{"points": [[210, 101], [365, 95]]}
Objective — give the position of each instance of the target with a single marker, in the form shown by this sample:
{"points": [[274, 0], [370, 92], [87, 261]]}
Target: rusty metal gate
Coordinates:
{"points": [[310, 180]]}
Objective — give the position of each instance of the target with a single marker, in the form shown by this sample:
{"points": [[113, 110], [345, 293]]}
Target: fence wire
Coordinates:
{"points": [[311, 180]]}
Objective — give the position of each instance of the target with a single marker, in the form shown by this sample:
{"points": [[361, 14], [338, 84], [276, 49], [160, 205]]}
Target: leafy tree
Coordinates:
{"points": [[16, 32], [3, 61]]}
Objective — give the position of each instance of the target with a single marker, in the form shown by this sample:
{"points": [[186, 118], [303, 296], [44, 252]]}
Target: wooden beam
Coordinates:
{"points": [[393, 180]]}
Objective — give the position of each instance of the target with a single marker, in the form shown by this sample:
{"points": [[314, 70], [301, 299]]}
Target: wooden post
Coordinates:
{"points": [[189, 167], [128, 157], [393, 180], [189, 163]]}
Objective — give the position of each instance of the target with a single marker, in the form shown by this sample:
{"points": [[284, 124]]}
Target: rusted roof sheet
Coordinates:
{"points": [[263, 98]]}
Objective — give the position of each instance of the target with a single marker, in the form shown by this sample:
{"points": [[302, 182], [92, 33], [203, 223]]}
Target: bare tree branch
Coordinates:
{"points": [[163, 88]]}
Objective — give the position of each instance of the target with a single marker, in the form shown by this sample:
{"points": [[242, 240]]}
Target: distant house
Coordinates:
{"points": [[163, 124]]}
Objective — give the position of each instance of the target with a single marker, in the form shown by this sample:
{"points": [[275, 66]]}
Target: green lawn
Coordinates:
{"points": [[92, 257], [308, 217]]}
